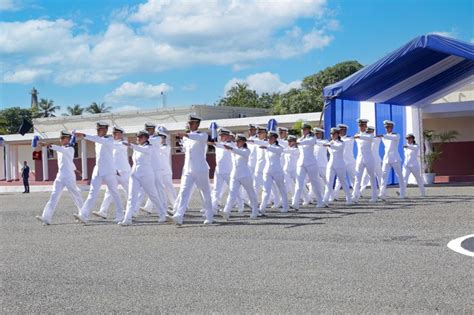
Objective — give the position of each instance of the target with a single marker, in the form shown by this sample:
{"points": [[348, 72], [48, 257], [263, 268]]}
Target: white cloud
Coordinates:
{"points": [[137, 91], [9, 5], [451, 34], [163, 34], [24, 75], [189, 87], [264, 82]]}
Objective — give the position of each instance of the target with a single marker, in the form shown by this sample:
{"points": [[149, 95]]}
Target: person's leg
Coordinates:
{"points": [[234, 187], [247, 183], [94, 190], [133, 198], [385, 172], [341, 173], [370, 167], [147, 185], [313, 173], [50, 206], [267, 190], [330, 176], [187, 183], [280, 183], [112, 184], [359, 170], [217, 190], [397, 167], [202, 183], [417, 173], [105, 203], [160, 190], [75, 193], [300, 185]]}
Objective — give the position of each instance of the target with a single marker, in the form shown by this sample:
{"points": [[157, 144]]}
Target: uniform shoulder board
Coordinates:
{"points": [[106, 136]]}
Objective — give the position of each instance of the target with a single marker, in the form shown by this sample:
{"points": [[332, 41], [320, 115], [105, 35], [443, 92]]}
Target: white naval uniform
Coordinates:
{"points": [[104, 172], [307, 165], [241, 176], [321, 154], [259, 165], [350, 162], [391, 159], [252, 161], [221, 173], [142, 179], [120, 157], [65, 178], [195, 172], [273, 173], [163, 170], [411, 165], [378, 165], [290, 158], [365, 162], [336, 166]]}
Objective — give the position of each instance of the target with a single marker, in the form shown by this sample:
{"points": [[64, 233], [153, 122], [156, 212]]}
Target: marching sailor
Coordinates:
{"points": [[377, 161], [120, 157], [307, 166], [321, 152], [223, 166], [104, 172], [260, 162], [348, 159], [142, 178], [241, 176], [336, 166], [290, 158], [166, 170], [273, 172], [411, 164], [65, 177], [391, 159], [365, 161], [195, 172]]}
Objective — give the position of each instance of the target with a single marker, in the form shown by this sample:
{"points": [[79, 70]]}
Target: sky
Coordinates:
{"points": [[129, 53]]}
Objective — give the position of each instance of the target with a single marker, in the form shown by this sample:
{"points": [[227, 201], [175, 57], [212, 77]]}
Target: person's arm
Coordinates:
{"points": [[58, 148], [392, 136], [336, 145], [307, 141], [139, 148], [411, 147], [198, 136], [259, 142], [275, 149], [241, 152], [101, 140], [218, 145]]}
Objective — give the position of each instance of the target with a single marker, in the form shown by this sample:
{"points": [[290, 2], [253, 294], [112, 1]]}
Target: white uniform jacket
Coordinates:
{"points": [[321, 152], [290, 156], [273, 159], [195, 158], [120, 154], [141, 159], [391, 142], [261, 155], [364, 146], [104, 164], [306, 147], [223, 158], [411, 155], [165, 161], [66, 165], [348, 150], [336, 150], [240, 161]]}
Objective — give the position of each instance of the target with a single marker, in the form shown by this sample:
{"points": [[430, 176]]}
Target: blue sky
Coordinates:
{"points": [[125, 53]]}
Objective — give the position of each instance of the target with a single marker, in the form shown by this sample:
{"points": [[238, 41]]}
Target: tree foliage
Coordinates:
{"points": [[96, 108], [75, 110], [46, 108], [307, 98], [11, 119]]}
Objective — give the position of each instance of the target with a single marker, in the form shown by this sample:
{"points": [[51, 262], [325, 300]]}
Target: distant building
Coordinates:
{"points": [[34, 98]]}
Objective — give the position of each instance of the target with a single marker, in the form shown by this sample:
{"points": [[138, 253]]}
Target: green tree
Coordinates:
{"points": [[46, 108], [95, 108], [11, 119], [241, 96], [74, 110]]}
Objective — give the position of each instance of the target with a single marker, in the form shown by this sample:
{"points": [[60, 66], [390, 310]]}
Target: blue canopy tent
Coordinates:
{"points": [[423, 70]]}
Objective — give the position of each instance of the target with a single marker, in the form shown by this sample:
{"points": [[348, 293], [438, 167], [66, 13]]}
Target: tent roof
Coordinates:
{"points": [[411, 74]]}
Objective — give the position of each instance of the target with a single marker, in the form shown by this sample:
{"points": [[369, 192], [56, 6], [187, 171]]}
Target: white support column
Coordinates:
{"points": [[2, 163], [44, 163], [84, 159], [8, 163], [413, 125], [14, 162], [367, 111]]}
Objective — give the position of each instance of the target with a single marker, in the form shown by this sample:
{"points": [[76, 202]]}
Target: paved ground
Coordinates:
{"points": [[390, 257]]}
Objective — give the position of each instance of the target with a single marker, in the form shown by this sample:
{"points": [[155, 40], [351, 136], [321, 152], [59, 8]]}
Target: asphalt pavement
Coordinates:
{"points": [[368, 258]]}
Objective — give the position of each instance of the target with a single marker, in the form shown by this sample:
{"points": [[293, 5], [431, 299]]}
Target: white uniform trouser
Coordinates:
{"points": [[218, 190], [58, 185], [378, 176], [258, 183], [397, 167], [313, 174], [123, 180], [234, 187], [279, 180], [201, 179], [169, 188], [160, 190], [111, 181], [322, 176], [330, 175], [361, 166], [415, 170], [350, 171], [138, 183], [290, 181]]}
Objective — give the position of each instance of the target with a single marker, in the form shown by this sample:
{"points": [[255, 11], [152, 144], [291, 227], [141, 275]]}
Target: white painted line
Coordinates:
{"points": [[456, 245]]}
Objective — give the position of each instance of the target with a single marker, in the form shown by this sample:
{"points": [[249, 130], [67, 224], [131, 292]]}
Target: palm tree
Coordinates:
{"points": [[74, 110], [95, 108], [47, 108]]}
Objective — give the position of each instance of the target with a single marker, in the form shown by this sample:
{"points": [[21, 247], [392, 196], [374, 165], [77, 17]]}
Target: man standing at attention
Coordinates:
{"points": [[25, 174]]}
